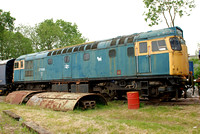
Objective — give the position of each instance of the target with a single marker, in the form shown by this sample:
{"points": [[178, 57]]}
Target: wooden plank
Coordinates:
{"points": [[35, 127], [13, 115]]}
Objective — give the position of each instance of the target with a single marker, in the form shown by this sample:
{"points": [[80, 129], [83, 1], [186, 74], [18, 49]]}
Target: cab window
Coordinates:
{"points": [[182, 42], [16, 65], [158, 45], [22, 64], [143, 47], [175, 44]]}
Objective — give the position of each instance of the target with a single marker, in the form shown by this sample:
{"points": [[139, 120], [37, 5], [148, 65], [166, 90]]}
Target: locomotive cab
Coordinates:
{"points": [[178, 56], [162, 63], [162, 56]]}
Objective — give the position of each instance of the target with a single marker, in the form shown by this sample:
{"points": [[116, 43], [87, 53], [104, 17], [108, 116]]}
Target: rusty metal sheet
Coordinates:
{"points": [[17, 97], [60, 101]]}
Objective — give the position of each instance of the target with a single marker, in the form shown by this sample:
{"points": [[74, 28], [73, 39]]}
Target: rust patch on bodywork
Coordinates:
{"points": [[17, 97], [60, 101]]}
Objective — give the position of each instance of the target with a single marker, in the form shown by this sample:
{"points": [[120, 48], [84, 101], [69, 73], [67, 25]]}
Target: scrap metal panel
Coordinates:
{"points": [[17, 97], [60, 101]]}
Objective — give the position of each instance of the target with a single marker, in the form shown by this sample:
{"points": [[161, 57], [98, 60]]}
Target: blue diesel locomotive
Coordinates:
{"points": [[155, 63]]}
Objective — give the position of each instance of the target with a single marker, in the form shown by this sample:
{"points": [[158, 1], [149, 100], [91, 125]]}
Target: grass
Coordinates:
{"points": [[11, 126], [115, 118]]}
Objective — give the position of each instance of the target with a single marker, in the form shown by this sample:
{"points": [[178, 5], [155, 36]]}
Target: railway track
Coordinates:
{"points": [[173, 102]]}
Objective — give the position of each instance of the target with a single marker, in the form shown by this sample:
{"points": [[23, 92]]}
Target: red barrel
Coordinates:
{"points": [[133, 100]]}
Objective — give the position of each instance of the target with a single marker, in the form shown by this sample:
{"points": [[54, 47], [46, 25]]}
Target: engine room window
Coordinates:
{"points": [[86, 56], [130, 40], [49, 54], [66, 59], [158, 45], [50, 61], [130, 52], [69, 50], [121, 41], [64, 51], [28, 73], [88, 47], [143, 47], [112, 53], [76, 49], [29, 64], [175, 44], [113, 43], [94, 46], [81, 48], [59, 51], [54, 53]]}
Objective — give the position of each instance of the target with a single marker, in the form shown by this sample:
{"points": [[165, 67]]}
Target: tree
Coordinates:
{"points": [[30, 33], [6, 26], [71, 34], [196, 63], [50, 35], [22, 45], [57, 34], [6, 21], [14, 44], [167, 9]]}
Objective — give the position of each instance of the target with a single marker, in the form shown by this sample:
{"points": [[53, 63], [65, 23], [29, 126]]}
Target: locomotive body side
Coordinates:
{"points": [[153, 63]]}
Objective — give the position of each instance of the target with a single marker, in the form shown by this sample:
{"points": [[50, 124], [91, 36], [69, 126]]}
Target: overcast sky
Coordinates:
{"points": [[99, 19]]}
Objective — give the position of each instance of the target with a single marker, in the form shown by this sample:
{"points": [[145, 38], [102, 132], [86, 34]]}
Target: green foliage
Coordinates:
{"points": [[44, 36], [196, 63], [50, 35], [6, 21], [47, 35], [58, 34], [9, 125], [168, 9], [12, 44]]}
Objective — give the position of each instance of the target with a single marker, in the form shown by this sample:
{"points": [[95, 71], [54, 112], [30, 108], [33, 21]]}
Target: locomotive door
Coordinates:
{"points": [[143, 55], [113, 63], [21, 70], [67, 66], [39, 74]]}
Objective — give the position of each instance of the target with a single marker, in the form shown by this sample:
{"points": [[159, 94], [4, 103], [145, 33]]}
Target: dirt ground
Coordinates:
{"points": [[2, 98]]}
